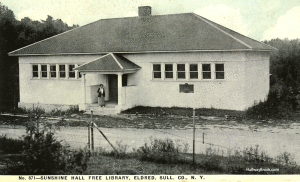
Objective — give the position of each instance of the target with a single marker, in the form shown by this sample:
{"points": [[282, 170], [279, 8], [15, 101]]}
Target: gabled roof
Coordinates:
{"points": [[159, 33], [109, 63]]}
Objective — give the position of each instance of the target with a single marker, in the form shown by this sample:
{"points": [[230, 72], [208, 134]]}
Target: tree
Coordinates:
{"points": [[15, 34]]}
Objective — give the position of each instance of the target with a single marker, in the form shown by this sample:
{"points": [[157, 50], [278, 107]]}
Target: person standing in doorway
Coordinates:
{"points": [[101, 96]]}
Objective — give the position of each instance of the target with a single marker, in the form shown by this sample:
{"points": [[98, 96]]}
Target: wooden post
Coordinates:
{"points": [[203, 137], [105, 137], [193, 135], [92, 131], [89, 138]]}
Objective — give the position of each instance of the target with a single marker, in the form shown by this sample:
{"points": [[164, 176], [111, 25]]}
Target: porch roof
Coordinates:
{"points": [[109, 63]]}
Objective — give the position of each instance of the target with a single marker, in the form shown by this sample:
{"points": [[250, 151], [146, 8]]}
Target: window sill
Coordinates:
{"points": [[55, 79]]}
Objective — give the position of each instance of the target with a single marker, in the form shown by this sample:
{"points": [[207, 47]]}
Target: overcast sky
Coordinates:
{"points": [[258, 19]]}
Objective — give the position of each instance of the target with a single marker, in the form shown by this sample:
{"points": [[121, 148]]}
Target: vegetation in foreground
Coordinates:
{"points": [[39, 152], [141, 117], [168, 157]]}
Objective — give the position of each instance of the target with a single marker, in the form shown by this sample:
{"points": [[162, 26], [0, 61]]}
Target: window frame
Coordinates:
{"points": [[197, 71], [43, 71], [202, 71], [220, 71], [71, 71], [165, 71], [154, 71], [55, 71], [62, 71], [37, 71], [177, 72]]}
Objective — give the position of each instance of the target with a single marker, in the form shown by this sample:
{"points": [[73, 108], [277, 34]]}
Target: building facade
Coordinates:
{"points": [[181, 60]]}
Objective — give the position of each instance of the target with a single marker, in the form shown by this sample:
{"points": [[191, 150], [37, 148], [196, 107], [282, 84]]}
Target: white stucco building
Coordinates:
{"points": [[181, 60]]}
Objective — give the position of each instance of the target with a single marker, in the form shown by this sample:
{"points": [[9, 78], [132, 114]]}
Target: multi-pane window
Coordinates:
{"points": [[193, 71], [156, 71], [44, 71], [181, 71], [35, 71], [206, 71], [71, 71], [189, 71], [219, 71], [168, 70], [62, 71], [53, 71]]}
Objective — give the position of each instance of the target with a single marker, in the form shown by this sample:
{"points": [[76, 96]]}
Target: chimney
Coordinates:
{"points": [[144, 11]]}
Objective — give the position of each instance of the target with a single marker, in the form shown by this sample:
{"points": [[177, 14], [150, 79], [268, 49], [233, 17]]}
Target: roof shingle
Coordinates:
{"points": [[159, 33], [109, 62]]}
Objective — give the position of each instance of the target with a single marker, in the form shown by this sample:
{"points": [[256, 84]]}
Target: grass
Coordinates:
{"points": [[160, 118], [213, 161], [178, 111], [10, 145]]}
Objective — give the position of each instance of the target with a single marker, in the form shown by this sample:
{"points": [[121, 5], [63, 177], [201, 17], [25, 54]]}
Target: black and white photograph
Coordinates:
{"points": [[156, 90]]}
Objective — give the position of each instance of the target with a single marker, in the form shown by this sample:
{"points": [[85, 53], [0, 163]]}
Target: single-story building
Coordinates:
{"points": [[181, 60]]}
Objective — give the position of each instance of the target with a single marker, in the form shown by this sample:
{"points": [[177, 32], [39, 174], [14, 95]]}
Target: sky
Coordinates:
{"points": [[257, 19]]}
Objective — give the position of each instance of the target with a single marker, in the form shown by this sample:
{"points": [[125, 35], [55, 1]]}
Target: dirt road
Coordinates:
{"points": [[272, 140]]}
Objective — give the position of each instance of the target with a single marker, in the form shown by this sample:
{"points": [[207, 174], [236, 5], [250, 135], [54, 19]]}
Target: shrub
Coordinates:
{"points": [[161, 151], [10, 146], [277, 105], [73, 109], [44, 155]]}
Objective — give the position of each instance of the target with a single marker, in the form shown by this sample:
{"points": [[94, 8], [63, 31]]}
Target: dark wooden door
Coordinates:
{"points": [[113, 87]]}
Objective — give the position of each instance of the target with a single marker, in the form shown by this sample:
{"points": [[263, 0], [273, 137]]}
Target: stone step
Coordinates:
{"points": [[102, 111]]}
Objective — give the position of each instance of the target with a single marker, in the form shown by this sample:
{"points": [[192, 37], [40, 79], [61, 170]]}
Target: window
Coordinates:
{"points": [[193, 71], [181, 71], [186, 88], [220, 71], [71, 71], [206, 71], [168, 70], [53, 71], [44, 71], [35, 71], [156, 71], [62, 71]]}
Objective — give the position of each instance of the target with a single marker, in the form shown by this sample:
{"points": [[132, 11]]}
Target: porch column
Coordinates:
{"points": [[120, 88], [84, 89]]}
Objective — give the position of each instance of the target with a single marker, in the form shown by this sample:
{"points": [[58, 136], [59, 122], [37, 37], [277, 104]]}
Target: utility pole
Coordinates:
{"points": [[193, 135]]}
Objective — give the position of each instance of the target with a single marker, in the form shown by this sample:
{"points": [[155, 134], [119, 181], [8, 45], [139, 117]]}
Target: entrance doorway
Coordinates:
{"points": [[113, 87]]}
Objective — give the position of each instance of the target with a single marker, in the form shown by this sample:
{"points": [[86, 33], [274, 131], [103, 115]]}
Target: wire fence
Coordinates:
{"points": [[105, 138]]}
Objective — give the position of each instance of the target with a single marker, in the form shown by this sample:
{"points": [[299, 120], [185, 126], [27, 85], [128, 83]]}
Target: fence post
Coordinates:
{"points": [[92, 131], [193, 135], [89, 139], [203, 138]]}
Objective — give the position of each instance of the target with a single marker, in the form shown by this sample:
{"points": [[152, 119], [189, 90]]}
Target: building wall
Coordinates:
{"points": [[246, 80], [257, 77], [52, 91], [222, 94]]}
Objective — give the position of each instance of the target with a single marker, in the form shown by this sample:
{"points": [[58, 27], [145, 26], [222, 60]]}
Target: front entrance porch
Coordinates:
{"points": [[111, 71]]}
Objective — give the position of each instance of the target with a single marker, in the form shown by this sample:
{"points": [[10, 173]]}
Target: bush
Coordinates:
{"points": [[279, 104], [73, 109], [161, 151], [10, 146], [44, 155]]}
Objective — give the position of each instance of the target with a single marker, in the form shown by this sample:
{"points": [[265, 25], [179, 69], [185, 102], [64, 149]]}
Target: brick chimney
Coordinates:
{"points": [[144, 11]]}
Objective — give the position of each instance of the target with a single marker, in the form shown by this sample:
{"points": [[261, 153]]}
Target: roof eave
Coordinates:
{"points": [[143, 52]]}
